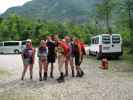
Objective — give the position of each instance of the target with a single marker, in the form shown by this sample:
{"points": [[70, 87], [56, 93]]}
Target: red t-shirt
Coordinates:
{"points": [[65, 47]]}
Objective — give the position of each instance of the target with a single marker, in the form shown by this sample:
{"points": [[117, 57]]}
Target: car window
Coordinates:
{"points": [[11, 43], [106, 39], [95, 40], [1, 44], [115, 39], [23, 42]]}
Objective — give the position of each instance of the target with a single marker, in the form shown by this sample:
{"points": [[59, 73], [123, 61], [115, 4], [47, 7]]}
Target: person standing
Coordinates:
{"points": [[28, 55], [78, 57], [42, 55], [70, 55], [51, 44], [61, 59]]}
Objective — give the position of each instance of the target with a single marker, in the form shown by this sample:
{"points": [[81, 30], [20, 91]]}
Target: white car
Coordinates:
{"points": [[12, 46], [106, 44]]}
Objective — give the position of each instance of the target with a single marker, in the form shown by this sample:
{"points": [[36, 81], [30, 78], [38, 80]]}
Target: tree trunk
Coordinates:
{"points": [[130, 19], [107, 19]]}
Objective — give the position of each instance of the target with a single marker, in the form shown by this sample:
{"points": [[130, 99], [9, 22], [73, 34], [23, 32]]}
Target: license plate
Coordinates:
{"points": [[106, 48]]}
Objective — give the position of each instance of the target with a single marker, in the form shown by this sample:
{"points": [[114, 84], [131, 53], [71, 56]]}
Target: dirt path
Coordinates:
{"points": [[97, 84]]}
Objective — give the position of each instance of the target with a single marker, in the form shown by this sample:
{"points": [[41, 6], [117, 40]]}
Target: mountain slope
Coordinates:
{"points": [[55, 9]]}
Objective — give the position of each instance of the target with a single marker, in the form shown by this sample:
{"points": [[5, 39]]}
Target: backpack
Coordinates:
{"points": [[82, 47], [65, 47]]}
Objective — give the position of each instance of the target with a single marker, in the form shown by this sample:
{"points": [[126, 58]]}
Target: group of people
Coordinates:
{"points": [[66, 51]]}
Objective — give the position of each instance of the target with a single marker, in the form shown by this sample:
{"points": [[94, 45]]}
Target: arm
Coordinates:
{"points": [[33, 57], [80, 51], [46, 50], [22, 55], [38, 54]]}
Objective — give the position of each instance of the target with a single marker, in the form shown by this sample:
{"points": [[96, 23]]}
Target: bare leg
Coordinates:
{"points": [[66, 66], [60, 65], [45, 66], [31, 71], [52, 68], [40, 71], [72, 67], [24, 71]]}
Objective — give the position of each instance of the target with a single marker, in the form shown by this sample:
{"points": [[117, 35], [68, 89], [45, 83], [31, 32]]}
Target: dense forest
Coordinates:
{"points": [[115, 16]]}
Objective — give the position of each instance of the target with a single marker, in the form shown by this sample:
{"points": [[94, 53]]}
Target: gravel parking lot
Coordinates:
{"points": [[113, 84]]}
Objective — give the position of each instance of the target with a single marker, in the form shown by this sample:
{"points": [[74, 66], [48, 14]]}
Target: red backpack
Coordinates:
{"points": [[65, 47], [82, 45]]}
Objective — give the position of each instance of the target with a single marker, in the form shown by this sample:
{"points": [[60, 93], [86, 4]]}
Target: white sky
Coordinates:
{"points": [[5, 4]]}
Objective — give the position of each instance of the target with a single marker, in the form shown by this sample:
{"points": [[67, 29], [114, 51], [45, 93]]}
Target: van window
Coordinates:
{"points": [[11, 43], [95, 40], [106, 39], [23, 42], [115, 39], [1, 44]]}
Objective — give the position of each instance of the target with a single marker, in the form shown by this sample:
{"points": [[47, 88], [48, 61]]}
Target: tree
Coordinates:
{"points": [[104, 13]]}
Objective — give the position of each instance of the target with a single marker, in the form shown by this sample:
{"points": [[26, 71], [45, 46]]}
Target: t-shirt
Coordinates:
{"points": [[28, 52], [43, 52], [51, 47], [65, 47]]}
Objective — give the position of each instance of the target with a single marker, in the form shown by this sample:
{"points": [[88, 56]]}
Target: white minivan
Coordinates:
{"points": [[106, 44], [12, 47]]}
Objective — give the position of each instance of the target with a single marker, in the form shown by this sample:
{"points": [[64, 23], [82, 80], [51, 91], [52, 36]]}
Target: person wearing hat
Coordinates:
{"points": [[42, 55], [28, 55]]}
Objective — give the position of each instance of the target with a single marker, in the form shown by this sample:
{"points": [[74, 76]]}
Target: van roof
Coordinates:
{"points": [[103, 35], [10, 41]]}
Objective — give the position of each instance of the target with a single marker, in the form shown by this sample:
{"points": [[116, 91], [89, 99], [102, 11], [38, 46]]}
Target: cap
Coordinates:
{"points": [[28, 40]]}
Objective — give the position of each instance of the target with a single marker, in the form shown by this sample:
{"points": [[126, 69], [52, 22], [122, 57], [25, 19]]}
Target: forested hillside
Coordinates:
{"points": [[76, 10], [79, 18]]}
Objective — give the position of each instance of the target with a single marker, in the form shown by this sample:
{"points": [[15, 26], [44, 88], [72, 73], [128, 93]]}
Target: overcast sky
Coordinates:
{"points": [[5, 4]]}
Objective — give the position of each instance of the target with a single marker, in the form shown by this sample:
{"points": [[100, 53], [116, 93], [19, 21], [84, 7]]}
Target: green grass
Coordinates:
{"points": [[128, 57]]}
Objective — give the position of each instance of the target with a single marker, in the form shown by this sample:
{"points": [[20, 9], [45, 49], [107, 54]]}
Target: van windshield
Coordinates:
{"points": [[105, 39], [115, 39]]}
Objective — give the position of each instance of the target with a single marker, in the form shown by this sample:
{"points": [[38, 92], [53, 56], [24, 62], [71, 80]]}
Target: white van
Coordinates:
{"points": [[105, 44], [12, 46]]}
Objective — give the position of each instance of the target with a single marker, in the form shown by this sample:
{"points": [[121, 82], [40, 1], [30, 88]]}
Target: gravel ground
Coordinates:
{"points": [[113, 84]]}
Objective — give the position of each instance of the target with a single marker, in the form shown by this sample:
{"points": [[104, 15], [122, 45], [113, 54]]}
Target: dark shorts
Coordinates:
{"points": [[77, 60], [27, 61], [51, 58]]}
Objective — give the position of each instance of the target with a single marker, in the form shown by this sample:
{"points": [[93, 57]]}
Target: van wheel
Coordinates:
{"points": [[16, 51]]}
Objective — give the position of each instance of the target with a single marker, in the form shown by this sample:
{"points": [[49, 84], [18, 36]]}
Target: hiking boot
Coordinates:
{"points": [[66, 74], [81, 74], [45, 76], [22, 78], [61, 78], [78, 74], [40, 76], [30, 77], [51, 74]]}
